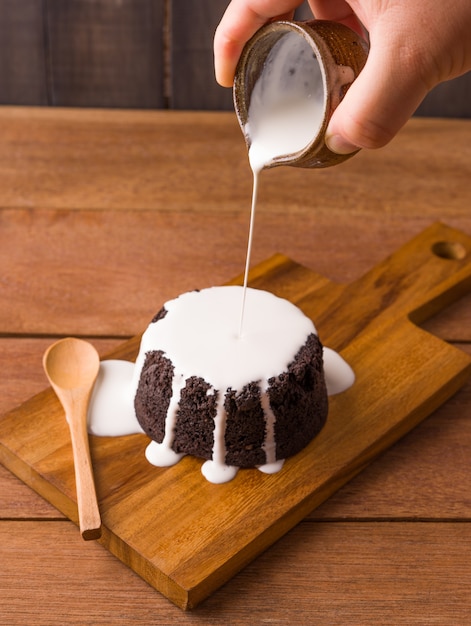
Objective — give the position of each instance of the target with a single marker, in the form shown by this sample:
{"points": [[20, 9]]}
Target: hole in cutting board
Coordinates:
{"points": [[452, 250], [450, 323]]}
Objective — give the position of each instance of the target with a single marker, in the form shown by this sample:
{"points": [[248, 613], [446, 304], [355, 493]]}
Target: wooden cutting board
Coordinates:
{"points": [[185, 536]]}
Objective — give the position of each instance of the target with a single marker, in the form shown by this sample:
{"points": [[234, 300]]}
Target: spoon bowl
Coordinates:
{"points": [[71, 366]]}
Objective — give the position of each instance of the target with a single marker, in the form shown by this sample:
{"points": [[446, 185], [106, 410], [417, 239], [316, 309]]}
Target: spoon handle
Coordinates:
{"points": [[89, 514]]}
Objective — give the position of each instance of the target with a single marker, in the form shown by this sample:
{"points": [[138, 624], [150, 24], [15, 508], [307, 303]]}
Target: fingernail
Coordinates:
{"points": [[339, 145]]}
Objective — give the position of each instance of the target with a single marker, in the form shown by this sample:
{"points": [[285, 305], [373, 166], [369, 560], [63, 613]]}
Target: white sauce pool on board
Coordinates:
{"points": [[111, 411]]}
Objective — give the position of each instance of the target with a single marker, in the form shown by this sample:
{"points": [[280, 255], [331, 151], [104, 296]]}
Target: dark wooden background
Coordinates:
{"points": [[132, 54]]}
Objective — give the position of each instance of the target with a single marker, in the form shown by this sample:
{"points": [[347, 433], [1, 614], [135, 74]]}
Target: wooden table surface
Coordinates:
{"points": [[104, 215]]}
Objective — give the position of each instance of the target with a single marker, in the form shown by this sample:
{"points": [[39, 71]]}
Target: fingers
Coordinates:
{"points": [[380, 101], [235, 28], [337, 11], [404, 63], [240, 21]]}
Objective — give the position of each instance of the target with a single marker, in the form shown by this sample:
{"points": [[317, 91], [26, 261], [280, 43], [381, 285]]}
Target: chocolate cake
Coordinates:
{"points": [[238, 399]]}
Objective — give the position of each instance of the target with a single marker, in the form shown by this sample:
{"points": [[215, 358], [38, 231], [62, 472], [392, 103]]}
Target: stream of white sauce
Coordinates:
{"points": [[285, 113]]}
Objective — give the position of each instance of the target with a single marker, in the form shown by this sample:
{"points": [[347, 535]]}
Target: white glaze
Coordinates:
{"points": [[272, 468], [200, 334], [339, 376], [218, 473], [287, 103], [162, 455]]}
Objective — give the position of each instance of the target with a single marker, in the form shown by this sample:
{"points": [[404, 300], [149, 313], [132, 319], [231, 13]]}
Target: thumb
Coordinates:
{"points": [[379, 102]]}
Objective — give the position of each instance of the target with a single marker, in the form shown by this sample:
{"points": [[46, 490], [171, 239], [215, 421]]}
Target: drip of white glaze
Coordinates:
{"points": [[161, 455], [178, 383], [219, 432], [272, 468], [217, 473], [215, 470]]}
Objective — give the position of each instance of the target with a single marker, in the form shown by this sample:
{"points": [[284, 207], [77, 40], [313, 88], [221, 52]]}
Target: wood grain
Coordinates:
{"points": [[180, 251], [325, 573], [193, 212], [210, 543], [410, 481], [339, 225], [207, 169]]}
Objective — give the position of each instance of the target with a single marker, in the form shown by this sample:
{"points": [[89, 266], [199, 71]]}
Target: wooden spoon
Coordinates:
{"points": [[71, 366]]}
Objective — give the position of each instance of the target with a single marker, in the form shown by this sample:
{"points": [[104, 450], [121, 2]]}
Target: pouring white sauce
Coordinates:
{"points": [[285, 114]]}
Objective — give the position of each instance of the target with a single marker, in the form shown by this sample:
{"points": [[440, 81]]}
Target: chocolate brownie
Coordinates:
{"points": [[259, 422]]}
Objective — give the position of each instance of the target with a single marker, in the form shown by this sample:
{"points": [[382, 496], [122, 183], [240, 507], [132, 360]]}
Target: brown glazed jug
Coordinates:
{"points": [[340, 53]]}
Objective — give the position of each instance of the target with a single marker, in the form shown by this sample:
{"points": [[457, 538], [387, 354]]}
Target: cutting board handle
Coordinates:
{"points": [[429, 273], [422, 278], [446, 274]]}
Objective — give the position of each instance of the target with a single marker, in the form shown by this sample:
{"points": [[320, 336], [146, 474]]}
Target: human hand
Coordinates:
{"points": [[413, 46]]}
